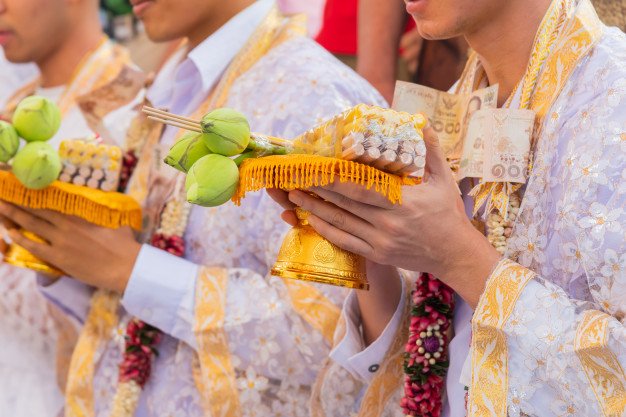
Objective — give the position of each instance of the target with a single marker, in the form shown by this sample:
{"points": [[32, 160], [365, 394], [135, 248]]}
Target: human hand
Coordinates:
{"points": [[5, 226], [428, 232], [95, 255], [282, 198]]}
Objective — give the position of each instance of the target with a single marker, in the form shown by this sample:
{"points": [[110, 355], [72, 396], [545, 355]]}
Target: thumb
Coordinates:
{"points": [[436, 164]]}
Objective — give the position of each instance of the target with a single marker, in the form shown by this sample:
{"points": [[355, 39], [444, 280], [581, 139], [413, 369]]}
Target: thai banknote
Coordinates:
{"points": [[448, 113], [497, 145]]}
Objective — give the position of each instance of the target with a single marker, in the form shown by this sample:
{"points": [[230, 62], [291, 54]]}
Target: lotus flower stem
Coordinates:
{"points": [[239, 160], [263, 146]]}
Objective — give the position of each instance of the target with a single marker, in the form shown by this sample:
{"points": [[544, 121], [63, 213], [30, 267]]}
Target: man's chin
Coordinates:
{"points": [[159, 36], [434, 31], [16, 56]]}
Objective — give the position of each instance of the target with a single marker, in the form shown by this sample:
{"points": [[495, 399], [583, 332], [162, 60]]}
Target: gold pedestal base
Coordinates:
{"points": [[20, 257], [307, 256]]}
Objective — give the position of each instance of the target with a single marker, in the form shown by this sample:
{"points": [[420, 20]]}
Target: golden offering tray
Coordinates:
{"points": [[106, 209], [304, 254]]}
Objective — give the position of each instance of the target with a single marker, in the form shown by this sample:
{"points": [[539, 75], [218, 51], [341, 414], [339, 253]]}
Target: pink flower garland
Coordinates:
{"points": [[141, 339], [426, 357]]}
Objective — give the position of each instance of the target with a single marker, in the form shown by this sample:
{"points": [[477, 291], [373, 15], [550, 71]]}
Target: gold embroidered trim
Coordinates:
{"points": [[102, 319], [580, 33], [218, 377], [603, 369], [489, 353], [315, 308], [316, 407], [97, 68], [390, 376]]}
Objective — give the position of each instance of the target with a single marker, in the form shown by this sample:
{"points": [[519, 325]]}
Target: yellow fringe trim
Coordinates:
{"points": [[102, 208], [289, 172]]}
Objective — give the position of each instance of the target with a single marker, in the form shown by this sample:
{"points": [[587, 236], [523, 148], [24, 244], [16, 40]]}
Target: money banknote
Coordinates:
{"points": [[497, 145], [448, 113]]}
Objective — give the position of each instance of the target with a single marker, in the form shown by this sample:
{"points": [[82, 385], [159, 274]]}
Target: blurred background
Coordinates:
{"points": [[375, 37]]}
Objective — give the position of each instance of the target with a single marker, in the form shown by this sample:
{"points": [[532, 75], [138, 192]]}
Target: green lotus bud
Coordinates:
{"points": [[227, 132], [36, 119], [187, 151], [212, 181], [37, 165], [9, 141]]}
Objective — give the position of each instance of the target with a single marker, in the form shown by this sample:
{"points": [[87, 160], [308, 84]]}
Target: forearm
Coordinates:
{"points": [[471, 261], [380, 28], [378, 305]]}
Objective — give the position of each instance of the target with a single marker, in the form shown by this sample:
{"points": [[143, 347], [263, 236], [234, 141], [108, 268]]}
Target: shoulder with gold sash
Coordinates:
{"points": [[103, 81]]}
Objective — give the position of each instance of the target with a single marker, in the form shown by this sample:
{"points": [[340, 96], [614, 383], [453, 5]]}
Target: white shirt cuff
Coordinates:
{"points": [[161, 290], [363, 363]]}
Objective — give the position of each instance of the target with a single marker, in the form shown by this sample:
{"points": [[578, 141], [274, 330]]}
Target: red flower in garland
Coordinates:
{"points": [[426, 357], [172, 244], [129, 163], [141, 339]]}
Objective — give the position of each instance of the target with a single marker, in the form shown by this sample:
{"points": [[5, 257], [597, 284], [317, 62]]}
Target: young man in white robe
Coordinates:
{"points": [[61, 53], [538, 331], [238, 342]]}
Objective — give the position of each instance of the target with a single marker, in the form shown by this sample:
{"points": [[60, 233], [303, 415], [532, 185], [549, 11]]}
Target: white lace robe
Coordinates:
{"points": [[276, 354]]}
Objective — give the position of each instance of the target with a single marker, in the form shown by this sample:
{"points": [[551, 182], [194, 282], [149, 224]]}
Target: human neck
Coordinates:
{"points": [[504, 44], [221, 16], [58, 67]]}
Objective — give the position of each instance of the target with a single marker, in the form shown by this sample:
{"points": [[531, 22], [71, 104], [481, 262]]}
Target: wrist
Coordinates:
{"points": [[378, 305], [469, 269]]}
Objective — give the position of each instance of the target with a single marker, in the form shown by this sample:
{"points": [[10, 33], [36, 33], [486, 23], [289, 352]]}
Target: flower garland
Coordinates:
{"points": [[426, 357], [129, 163], [141, 339], [499, 229], [136, 367]]}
